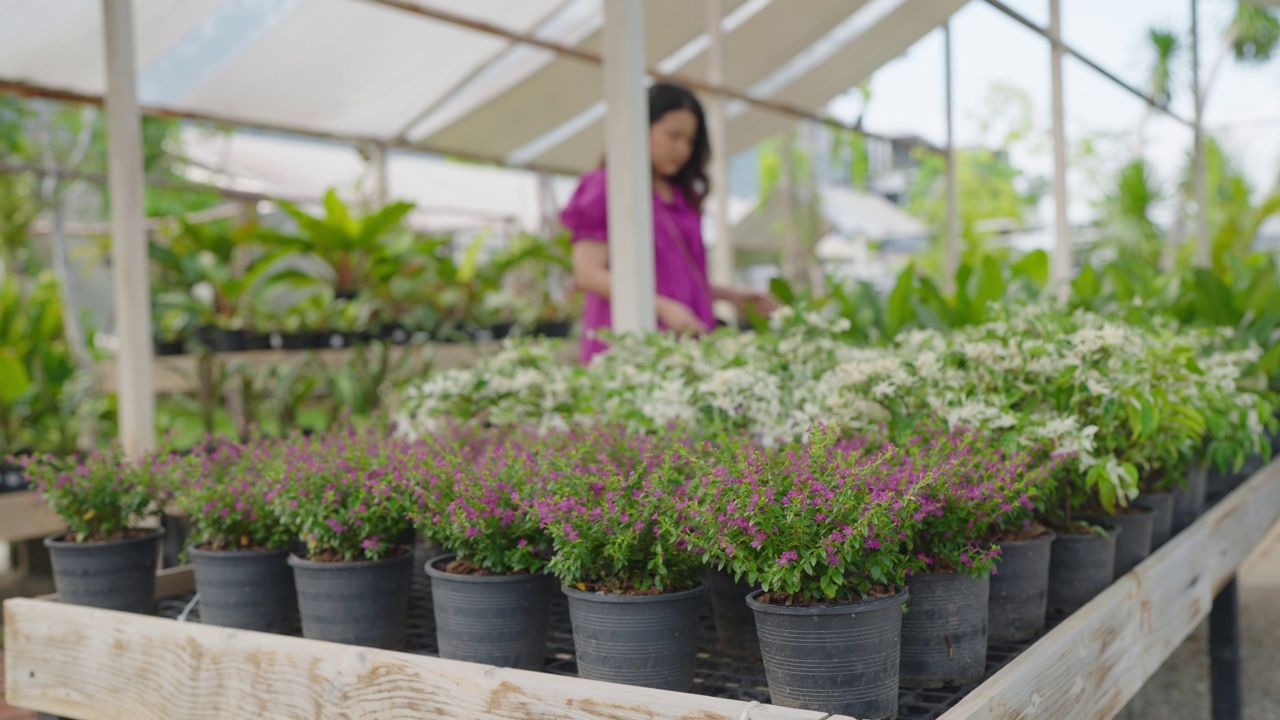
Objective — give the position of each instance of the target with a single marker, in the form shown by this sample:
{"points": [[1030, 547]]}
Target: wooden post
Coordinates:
{"points": [[1060, 264], [953, 194], [717, 127], [381, 182], [630, 171], [130, 262], [1204, 249]]}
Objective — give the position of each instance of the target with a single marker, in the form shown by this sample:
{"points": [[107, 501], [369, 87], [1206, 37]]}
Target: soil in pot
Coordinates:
{"points": [[1161, 506], [1188, 500], [840, 658], [1133, 544], [644, 640], [246, 589], [113, 574], [944, 633], [735, 621], [358, 603], [491, 619], [1081, 565], [1020, 587]]}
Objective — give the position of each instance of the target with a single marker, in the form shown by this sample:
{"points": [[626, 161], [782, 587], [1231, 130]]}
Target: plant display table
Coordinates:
{"points": [[100, 665]]}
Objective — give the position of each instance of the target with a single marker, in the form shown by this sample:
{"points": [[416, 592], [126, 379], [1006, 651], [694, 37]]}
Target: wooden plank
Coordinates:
{"points": [[1092, 664], [178, 373], [24, 516], [93, 664], [175, 581]]}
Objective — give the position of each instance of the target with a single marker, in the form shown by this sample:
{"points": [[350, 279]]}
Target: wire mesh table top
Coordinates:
{"points": [[715, 674]]}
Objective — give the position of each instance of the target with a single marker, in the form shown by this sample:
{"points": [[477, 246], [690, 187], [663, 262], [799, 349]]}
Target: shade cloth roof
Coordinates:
{"points": [[364, 70]]}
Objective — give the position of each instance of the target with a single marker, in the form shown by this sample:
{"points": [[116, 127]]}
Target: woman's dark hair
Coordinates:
{"points": [[692, 178]]}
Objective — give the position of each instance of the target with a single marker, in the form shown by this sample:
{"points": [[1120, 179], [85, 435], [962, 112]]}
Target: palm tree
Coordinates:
{"points": [[1166, 49]]}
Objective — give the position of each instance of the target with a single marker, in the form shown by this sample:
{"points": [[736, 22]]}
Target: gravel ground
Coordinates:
{"points": [[1180, 688]]}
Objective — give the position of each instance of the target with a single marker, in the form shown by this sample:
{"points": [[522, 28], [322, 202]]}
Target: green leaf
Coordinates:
{"points": [[14, 380]]}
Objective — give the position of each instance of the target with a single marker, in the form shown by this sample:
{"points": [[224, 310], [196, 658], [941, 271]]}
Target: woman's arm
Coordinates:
{"points": [[591, 273], [763, 301]]}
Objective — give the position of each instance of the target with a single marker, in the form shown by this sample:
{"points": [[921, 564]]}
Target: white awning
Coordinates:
{"points": [[368, 71]]}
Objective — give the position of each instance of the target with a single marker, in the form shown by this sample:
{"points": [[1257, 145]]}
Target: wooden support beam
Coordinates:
{"points": [[1092, 664], [92, 664], [131, 268], [181, 373], [24, 516], [629, 170]]}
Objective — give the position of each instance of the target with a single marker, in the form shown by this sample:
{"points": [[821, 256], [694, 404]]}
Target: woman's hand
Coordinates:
{"points": [[678, 318], [762, 301]]}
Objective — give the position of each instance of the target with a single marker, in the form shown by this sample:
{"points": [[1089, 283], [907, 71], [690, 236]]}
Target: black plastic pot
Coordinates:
{"points": [[840, 659], [358, 603], [644, 640], [495, 620], [944, 633], [1133, 545], [1019, 590], [1188, 501], [735, 622], [165, 348], [246, 589], [116, 574], [395, 333], [12, 478], [1080, 567], [554, 329], [257, 341], [220, 339], [502, 330], [1161, 506]]}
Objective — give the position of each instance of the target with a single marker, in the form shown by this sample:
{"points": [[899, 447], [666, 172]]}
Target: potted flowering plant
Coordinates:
{"points": [[346, 496], [830, 546], [238, 544], [969, 490], [107, 558], [490, 595], [615, 514]]}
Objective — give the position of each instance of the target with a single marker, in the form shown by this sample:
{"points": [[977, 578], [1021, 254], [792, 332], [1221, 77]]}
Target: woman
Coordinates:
{"points": [[678, 149]]}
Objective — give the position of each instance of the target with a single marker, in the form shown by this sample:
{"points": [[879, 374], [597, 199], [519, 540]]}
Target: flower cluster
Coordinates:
{"points": [[101, 496], [347, 495], [221, 490], [810, 523], [617, 509]]}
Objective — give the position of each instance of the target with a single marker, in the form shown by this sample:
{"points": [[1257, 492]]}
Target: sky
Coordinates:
{"points": [[907, 95]]}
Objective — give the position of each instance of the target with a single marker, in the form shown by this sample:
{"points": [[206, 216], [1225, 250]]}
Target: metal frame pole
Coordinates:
{"points": [[630, 171], [130, 261], [1225, 666], [953, 189], [1060, 262], [717, 127], [1204, 251]]}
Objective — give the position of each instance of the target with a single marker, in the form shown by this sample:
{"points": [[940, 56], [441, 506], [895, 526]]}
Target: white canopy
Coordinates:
{"points": [[378, 71]]}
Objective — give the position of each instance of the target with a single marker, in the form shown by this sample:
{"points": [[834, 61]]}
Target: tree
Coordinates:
{"points": [[989, 186]]}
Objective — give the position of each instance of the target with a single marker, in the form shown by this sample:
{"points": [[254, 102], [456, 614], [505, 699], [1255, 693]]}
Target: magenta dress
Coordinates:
{"points": [[680, 259]]}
